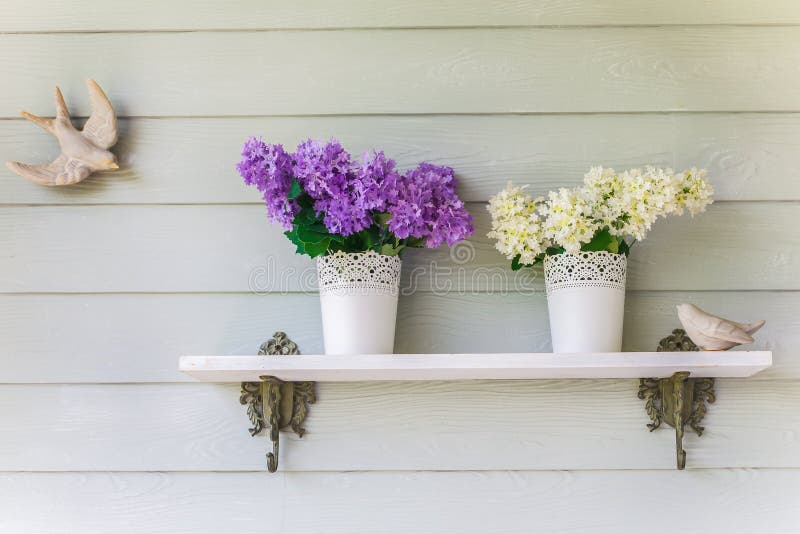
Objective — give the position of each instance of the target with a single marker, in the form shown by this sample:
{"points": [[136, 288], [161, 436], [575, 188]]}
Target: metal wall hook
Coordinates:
{"points": [[678, 383], [272, 457], [271, 394], [679, 399], [277, 404]]}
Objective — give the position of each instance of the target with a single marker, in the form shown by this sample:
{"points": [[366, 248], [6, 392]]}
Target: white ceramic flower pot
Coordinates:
{"points": [[586, 301], [358, 294]]}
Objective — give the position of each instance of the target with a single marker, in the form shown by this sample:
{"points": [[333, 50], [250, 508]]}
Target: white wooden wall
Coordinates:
{"points": [[104, 284]]}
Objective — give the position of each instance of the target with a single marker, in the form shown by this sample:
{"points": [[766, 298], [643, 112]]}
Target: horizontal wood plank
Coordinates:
{"points": [[137, 338], [730, 501], [53, 15], [470, 425], [212, 248], [748, 156], [475, 366], [168, 503], [409, 71]]}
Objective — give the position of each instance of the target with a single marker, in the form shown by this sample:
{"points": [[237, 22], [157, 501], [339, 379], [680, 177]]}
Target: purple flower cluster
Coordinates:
{"points": [[422, 203], [428, 207], [345, 193], [378, 181], [269, 168]]}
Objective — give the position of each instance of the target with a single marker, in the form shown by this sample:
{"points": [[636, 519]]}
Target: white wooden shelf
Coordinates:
{"points": [[377, 367]]}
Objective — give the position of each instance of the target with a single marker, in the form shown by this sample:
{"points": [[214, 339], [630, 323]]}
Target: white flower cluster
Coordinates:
{"points": [[568, 218], [515, 224], [626, 204], [629, 203]]}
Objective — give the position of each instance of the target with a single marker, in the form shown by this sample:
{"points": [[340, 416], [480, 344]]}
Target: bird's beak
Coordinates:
{"points": [[108, 165]]}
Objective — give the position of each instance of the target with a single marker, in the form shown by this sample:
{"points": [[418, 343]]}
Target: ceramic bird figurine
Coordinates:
{"points": [[714, 333], [82, 152]]}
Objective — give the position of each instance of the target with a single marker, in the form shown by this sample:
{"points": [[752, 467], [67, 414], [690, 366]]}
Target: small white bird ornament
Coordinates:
{"points": [[714, 333], [82, 152]]}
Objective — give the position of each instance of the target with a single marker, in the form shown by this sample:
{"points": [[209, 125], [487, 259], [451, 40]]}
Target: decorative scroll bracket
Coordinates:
{"points": [[274, 403], [677, 400]]}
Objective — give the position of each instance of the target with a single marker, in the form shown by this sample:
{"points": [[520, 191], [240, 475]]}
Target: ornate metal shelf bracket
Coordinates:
{"points": [[677, 400], [274, 403]]}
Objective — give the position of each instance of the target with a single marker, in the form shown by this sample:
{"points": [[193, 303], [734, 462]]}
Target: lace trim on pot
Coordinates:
{"points": [[359, 270], [585, 269]]}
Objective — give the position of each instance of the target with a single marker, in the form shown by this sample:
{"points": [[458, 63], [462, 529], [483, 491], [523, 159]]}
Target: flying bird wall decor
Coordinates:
{"points": [[82, 152]]}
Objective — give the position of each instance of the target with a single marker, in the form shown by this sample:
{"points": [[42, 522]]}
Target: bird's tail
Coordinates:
{"points": [[47, 124], [752, 328]]}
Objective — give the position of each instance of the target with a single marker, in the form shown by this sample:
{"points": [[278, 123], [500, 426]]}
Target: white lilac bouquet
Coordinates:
{"points": [[609, 212], [327, 202]]}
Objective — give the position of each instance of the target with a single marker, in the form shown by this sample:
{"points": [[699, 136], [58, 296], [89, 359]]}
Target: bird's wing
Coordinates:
{"points": [[714, 328], [61, 107], [41, 174], [63, 171], [728, 331], [101, 128]]}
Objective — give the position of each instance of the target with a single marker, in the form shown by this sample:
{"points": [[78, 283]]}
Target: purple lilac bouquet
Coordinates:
{"points": [[327, 202]]}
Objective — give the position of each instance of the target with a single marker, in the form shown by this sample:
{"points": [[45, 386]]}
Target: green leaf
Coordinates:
{"points": [[613, 247], [307, 241], [515, 264], [305, 201], [351, 243], [415, 242], [309, 216], [304, 216], [292, 236], [382, 218], [295, 189], [390, 250], [317, 249], [600, 241], [624, 247], [307, 235], [318, 227], [369, 237]]}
